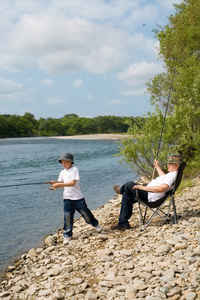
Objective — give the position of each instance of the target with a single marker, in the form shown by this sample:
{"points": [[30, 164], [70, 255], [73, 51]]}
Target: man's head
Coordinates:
{"points": [[174, 158], [174, 161]]}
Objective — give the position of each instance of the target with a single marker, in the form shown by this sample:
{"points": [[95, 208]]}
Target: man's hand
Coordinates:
{"points": [[156, 163], [158, 168], [137, 186]]}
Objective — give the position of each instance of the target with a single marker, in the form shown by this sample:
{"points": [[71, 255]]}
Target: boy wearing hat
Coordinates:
{"points": [[155, 190], [73, 198]]}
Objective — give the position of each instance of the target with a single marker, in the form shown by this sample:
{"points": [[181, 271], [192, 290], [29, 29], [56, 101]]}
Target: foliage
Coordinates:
{"points": [[178, 86], [140, 150], [71, 124]]}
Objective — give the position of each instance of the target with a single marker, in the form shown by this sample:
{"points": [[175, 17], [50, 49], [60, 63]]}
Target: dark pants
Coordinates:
{"points": [[70, 206], [128, 199]]}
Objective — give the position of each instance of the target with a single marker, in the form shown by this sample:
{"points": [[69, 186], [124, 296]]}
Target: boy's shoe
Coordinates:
{"points": [[66, 240], [98, 228]]}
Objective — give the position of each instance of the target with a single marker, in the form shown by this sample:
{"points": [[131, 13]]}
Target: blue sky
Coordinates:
{"points": [[88, 57]]}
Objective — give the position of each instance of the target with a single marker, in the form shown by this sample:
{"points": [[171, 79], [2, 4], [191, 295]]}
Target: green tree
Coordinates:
{"points": [[179, 49], [4, 127]]}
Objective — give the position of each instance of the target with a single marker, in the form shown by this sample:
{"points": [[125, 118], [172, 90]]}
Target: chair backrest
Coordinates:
{"points": [[179, 175]]}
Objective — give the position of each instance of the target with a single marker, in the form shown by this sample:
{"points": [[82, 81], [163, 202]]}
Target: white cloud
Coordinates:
{"points": [[47, 82], [116, 102], [13, 92], [138, 73], [59, 44], [132, 92], [8, 86], [77, 83], [136, 76], [14, 62], [17, 97], [54, 100], [89, 97]]}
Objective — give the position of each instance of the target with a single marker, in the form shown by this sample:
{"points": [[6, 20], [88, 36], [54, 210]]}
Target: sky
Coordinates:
{"points": [[84, 57]]}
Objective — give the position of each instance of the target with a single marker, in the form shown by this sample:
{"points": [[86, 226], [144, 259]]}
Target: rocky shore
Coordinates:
{"points": [[163, 262]]}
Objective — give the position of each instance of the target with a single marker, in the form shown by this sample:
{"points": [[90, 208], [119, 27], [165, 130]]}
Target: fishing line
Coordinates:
{"points": [[11, 185]]}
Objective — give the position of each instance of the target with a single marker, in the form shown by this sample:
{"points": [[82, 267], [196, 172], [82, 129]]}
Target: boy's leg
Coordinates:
{"points": [[81, 207], [69, 212]]}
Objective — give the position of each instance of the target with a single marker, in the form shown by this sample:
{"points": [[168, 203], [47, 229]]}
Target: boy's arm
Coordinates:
{"points": [[63, 184]]}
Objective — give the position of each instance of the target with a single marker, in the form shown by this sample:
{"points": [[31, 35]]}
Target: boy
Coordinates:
{"points": [[73, 198]]}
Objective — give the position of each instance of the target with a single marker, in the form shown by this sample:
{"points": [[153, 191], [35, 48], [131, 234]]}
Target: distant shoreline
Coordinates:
{"points": [[103, 136]]}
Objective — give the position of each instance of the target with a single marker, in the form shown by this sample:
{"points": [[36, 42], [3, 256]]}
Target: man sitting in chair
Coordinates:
{"points": [[155, 190]]}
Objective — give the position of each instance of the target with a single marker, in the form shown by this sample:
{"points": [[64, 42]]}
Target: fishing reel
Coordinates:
{"points": [[52, 188]]}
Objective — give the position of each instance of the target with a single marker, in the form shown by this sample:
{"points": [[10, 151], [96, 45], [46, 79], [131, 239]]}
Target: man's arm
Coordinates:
{"points": [[158, 168], [153, 189]]}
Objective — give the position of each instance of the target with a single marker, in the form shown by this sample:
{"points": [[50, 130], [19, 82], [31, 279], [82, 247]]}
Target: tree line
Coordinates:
{"points": [[71, 124]]}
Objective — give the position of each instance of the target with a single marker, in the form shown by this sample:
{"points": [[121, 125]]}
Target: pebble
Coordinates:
{"points": [[163, 262]]}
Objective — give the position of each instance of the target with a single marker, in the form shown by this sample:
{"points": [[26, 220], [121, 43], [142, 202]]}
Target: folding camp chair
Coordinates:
{"points": [[156, 207]]}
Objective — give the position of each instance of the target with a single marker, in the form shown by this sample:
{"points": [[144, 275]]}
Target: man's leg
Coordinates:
{"points": [[128, 199]]}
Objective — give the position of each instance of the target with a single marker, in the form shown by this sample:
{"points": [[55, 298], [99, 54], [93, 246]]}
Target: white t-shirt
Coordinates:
{"points": [[71, 192], [168, 179]]}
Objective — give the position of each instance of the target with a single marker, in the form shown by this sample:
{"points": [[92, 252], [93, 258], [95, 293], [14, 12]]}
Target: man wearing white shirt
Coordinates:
{"points": [[155, 190]]}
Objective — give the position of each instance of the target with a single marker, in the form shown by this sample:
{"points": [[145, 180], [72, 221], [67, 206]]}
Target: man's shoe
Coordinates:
{"points": [[67, 240], [116, 188], [119, 227], [98, 228]]}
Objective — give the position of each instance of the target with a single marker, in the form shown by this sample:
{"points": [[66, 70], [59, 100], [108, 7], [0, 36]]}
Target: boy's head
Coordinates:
{"points": [[66, 156]]}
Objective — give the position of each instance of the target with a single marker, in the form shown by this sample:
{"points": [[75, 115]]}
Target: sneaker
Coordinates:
{"points": [[116, 188], [98, 228], [66, 240]]}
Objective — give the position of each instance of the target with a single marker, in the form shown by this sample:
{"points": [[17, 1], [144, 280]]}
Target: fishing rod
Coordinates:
{"points": [[32, 183], [166, 110]]}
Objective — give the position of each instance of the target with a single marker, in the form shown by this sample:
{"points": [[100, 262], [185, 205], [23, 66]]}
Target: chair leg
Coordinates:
{"points": [[140, 216], [174, 210]]}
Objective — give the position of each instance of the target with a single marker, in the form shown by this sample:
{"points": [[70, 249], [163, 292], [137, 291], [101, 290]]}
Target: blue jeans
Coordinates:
{"points": [[70, 206], [128, 199]]}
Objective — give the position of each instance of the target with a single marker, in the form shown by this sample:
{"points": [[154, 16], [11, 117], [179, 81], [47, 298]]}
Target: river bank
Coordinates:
{"points": [[162, 262], [103, 136]]}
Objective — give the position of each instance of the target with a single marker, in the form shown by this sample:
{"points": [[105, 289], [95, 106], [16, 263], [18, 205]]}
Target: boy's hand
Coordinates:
{"points": [[55, 185]]}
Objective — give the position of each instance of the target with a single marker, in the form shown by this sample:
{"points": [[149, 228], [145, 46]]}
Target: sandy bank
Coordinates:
{"points": [[104, 136]]}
